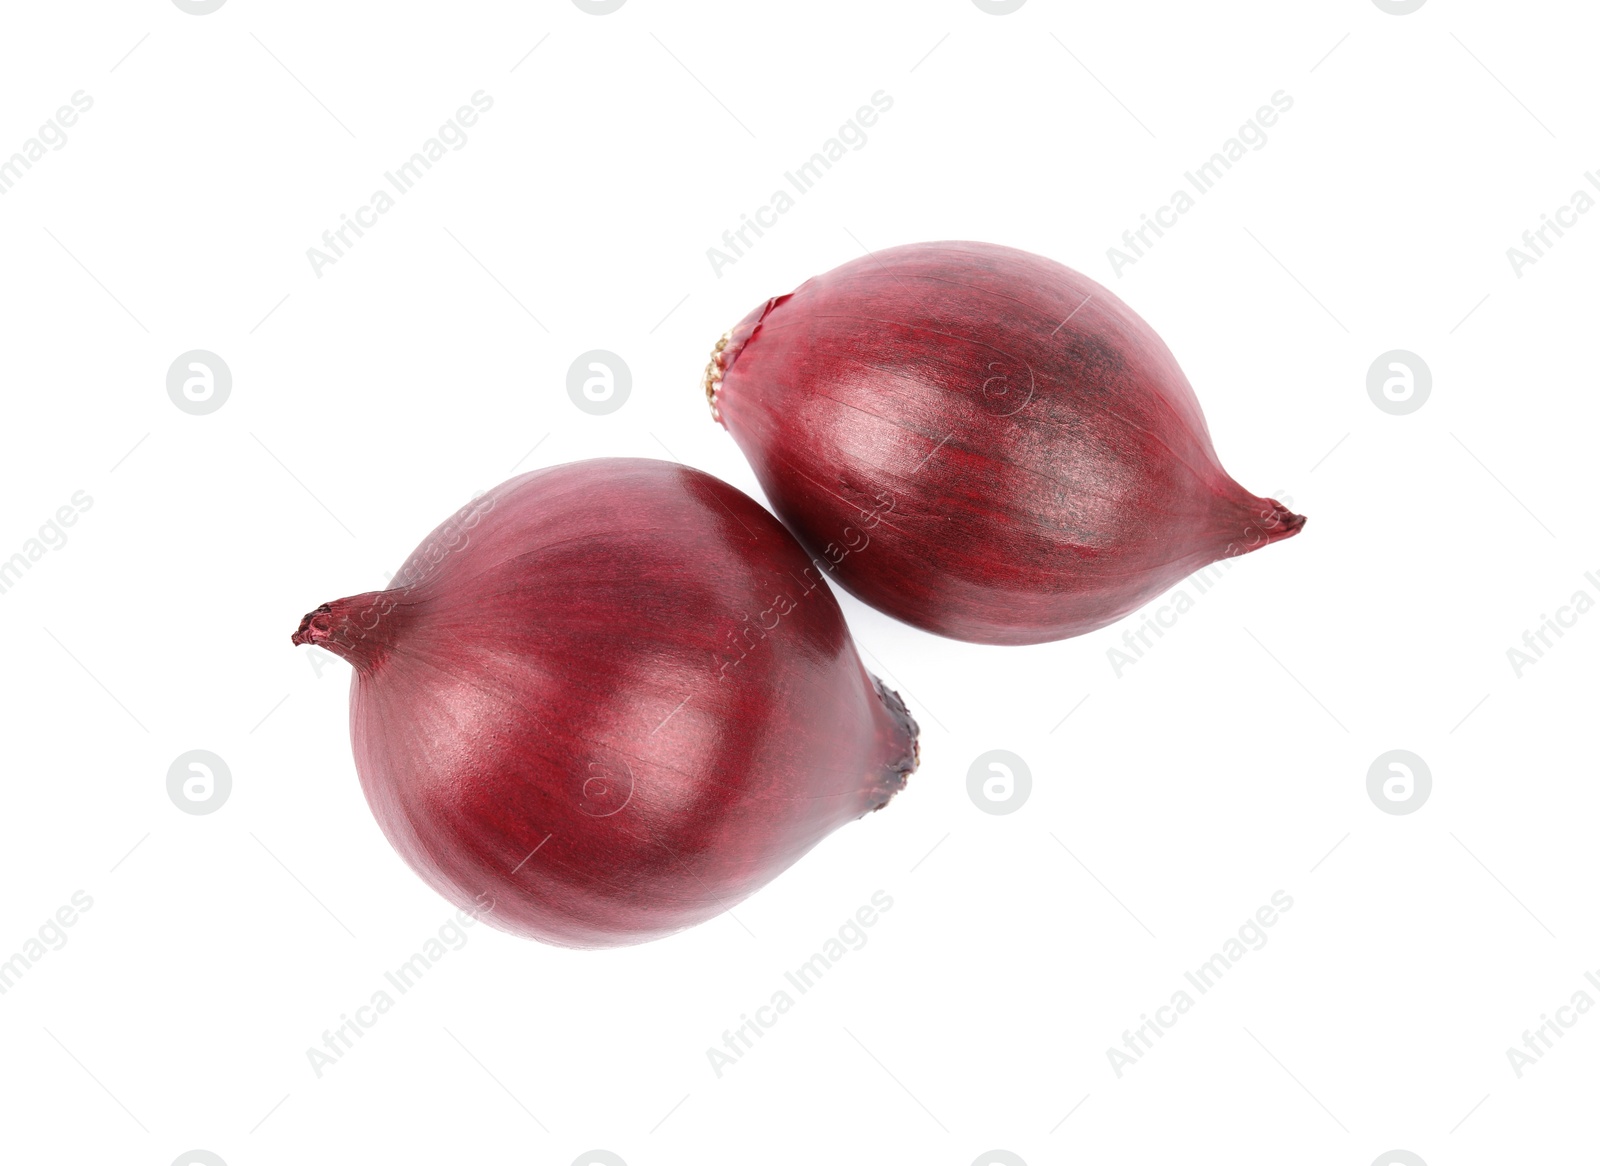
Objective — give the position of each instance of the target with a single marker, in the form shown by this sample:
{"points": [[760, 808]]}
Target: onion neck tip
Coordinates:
{"points": [[1263, 527], [1282, 522], [712, 381], [902, 746], [315, 628], [359, 630]]}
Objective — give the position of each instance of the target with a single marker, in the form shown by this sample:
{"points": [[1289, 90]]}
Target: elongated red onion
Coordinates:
{"points": [[615, 697], [981, 442]]}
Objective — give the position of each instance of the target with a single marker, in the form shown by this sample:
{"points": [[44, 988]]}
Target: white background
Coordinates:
{"points": [[1229, 763]]}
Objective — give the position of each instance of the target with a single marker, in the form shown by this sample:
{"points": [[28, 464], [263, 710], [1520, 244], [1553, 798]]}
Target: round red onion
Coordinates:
{"points": [[615, 697], [981, 442]]}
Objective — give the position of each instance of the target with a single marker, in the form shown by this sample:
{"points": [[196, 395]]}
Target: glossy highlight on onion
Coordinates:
{"points": [[612, 698], [981, 442]]}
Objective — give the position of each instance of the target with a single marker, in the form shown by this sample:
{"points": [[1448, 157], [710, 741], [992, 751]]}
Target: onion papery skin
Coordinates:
{"points": [[609, 700], [984, 443]]}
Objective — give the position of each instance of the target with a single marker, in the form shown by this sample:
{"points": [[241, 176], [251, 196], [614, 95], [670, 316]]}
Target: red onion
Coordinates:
{"points": [[615, 697], [981, 442]]}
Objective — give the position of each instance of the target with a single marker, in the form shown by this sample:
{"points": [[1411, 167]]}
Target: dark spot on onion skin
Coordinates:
{"points": [[1094, 361]]}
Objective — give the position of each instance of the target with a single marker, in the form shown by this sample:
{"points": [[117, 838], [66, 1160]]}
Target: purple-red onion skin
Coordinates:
{"points": [[983, 442], [612, 699]]}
